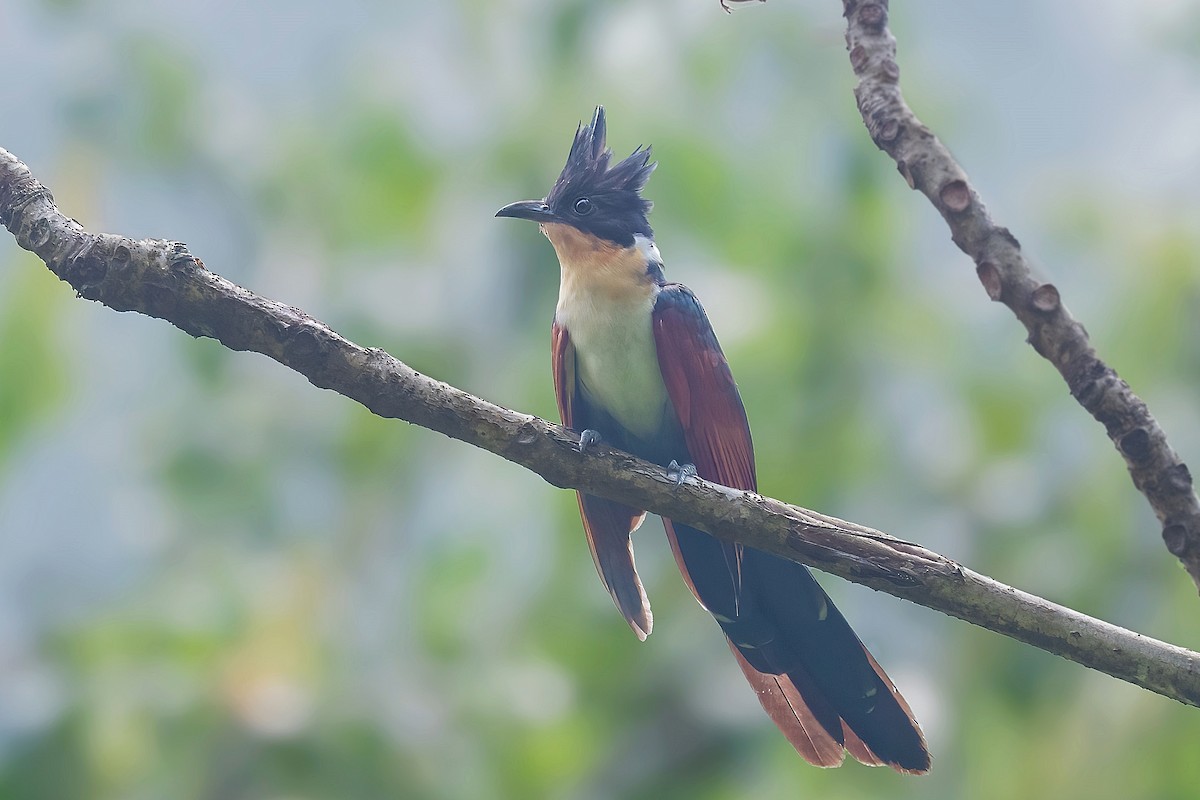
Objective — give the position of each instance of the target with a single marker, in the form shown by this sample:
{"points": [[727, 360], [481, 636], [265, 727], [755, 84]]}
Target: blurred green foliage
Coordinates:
{"points": [[219, 582], [32, 308]]}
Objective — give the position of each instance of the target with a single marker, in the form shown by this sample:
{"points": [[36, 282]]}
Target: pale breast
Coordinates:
{"points": [[605, 300], [616, 358]]}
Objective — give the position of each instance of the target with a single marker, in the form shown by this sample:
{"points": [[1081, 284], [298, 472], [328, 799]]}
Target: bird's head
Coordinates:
{"points": [[592, 197]]}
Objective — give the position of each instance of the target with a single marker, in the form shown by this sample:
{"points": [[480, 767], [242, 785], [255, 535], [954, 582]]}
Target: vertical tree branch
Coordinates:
{"points": [[1157, 471]]}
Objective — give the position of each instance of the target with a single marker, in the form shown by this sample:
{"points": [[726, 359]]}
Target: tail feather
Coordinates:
{"points": [[608, 525], [813, 676], [809, 726], [857, 748]]}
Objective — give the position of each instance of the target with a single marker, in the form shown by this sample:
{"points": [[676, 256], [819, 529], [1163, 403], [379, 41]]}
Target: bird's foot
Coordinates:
{"points": [[680, 472], [588, 438]]}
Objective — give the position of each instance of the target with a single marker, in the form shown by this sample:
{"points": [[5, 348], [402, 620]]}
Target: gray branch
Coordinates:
{"points": [[162, 279], [1157, 471]]}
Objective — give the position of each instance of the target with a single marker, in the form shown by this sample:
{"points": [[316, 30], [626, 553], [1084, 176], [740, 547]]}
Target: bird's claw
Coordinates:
{"points": [[588, 438], [680, 472]]}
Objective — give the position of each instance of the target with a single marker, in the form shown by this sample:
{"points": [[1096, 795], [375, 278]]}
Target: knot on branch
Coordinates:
{"points": [[304, 341], [881, 117], [87, 268], [1179, 477], [24, 191], [955, 195], [1175, 537], [989, 276], [1045, 298], [1089, 379], [870, 15]]}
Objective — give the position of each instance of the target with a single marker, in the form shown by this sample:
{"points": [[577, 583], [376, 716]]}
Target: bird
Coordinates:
{"points": [[637, 365]]}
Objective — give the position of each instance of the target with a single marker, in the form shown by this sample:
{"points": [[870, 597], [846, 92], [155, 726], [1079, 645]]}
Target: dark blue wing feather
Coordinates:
{"points": [[813, 676]]}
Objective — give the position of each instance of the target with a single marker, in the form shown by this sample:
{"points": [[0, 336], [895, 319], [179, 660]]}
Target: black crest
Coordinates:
{"points": [[599, 199]]}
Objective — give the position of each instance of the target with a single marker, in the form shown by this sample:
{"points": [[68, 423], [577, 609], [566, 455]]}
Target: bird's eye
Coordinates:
{"points": [[582, 206]]}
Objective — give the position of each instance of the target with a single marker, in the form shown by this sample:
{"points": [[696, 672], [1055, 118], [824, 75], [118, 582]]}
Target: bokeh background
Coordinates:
{"points": [[217, 581]]}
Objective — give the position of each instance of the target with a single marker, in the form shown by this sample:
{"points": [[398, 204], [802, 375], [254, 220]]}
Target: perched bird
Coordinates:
{"points": [[636, 364]]}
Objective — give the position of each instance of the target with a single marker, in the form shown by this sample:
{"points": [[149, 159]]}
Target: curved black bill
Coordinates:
{"points": [[535, 210]]}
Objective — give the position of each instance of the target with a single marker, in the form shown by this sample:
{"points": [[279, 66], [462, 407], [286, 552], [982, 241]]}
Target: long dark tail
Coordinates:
{"points": [[813, 676]]}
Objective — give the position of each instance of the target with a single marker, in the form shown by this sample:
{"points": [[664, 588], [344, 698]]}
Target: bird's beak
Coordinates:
{"points": [[535, 210]]}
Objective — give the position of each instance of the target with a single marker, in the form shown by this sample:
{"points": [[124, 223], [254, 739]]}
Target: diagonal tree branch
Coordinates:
{"points": [[162, 279], [927, 166]]}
